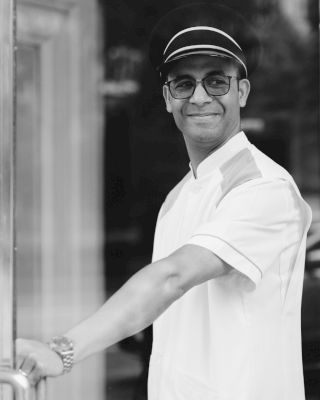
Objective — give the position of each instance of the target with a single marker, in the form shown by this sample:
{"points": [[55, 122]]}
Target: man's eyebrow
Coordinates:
{"points": [[215, 72]]}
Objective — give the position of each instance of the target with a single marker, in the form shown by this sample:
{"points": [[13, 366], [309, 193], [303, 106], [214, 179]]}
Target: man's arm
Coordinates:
{"points": [[133, 307]]}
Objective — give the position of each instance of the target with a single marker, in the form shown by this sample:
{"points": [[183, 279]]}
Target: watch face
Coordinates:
{"points": [[62, 342]]}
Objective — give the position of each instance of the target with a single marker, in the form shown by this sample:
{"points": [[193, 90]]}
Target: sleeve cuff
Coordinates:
{"points": [[228, 254]]}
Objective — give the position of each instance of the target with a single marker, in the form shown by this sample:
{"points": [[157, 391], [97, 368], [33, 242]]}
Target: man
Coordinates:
{"points": [[224, 288]]}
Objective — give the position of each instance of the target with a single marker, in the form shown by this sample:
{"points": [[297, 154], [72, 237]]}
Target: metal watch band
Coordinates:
{"points": [[64, 348], [67, 362]]}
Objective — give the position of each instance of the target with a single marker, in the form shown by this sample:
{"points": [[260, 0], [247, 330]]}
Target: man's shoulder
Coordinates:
{"points": [[251, 167], [268, 167]]}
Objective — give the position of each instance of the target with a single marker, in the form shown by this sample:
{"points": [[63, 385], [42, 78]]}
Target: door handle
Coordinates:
{"points": [[22, 387]]}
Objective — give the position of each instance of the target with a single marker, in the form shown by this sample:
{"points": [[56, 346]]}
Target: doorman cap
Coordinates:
{"points": [[207, 29]]}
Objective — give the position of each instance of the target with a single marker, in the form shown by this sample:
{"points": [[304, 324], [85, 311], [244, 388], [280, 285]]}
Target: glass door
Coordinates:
{"points": [[51, 224], [11, 381]]}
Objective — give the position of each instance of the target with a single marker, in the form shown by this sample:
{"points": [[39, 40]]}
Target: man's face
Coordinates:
{"points": [[204, 119]]}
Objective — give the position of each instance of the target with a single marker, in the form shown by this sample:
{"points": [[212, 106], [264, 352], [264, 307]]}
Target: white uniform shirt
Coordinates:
{"points": [[236, 337]]}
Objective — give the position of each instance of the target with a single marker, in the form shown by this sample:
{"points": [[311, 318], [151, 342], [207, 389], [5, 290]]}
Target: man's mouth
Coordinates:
{"points": [[203, 115]]}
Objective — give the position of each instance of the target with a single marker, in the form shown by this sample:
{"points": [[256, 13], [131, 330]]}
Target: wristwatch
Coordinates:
{"points": [[63, 346]]}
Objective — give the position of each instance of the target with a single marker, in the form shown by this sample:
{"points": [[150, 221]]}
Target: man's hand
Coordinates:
{"points": [[36, 360]]}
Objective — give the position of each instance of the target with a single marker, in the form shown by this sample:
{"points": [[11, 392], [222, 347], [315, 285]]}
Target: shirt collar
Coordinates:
{"points": [[221, 155]]}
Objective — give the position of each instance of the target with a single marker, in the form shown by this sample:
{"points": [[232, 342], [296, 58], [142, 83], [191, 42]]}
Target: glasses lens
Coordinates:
{"points": [[182, 88], [217, 85]]}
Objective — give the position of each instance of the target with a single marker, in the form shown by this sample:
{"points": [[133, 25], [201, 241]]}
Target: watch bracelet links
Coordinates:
{"points": [[67, 361]]}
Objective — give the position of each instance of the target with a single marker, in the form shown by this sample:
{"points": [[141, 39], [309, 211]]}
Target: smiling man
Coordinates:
{"points": [[224, 288], [204, 95]]}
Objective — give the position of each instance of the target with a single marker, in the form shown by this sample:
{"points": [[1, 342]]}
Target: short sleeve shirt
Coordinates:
{"points": [[237, 336]]}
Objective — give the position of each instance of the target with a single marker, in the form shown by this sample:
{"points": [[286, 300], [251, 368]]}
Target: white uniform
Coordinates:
{"points": [[237, 337]]}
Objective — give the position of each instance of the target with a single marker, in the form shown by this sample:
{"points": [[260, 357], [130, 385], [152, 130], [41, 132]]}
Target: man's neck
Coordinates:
{"points": [[200, 151]]}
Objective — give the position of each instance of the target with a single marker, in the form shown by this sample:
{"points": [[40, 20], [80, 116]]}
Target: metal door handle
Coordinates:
{"points": [[22, 388]]}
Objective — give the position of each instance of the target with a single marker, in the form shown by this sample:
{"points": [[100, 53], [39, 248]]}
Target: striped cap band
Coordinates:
{"points": [[201, 28], [203, 40]]}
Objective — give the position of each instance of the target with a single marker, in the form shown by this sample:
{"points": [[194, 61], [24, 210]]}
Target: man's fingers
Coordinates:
{"points": [[37, 373], [34, 372], [37, 360], [20, 354], [23, 352], [27, 365], [32, 368], [28, 362]]}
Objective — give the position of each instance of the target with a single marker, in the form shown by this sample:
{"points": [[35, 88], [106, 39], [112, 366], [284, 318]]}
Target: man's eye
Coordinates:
{"points": [[183, 84], [216, 80]]}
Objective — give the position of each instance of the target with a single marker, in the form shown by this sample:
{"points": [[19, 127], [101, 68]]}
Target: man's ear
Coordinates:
{"points": [[244, 90], [166, 96]]}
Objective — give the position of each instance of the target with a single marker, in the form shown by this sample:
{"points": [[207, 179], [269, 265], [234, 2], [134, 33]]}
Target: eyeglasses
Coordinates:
{"points": [[214, 85]]}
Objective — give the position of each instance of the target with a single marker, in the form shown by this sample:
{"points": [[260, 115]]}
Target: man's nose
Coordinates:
{"points": [[200, 95]]}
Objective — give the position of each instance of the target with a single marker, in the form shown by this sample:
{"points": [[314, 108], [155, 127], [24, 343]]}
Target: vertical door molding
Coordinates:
{"points": [[68, 136], [7, 131]]}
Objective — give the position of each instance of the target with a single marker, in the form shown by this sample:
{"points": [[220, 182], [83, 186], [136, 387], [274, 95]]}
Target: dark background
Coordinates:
{"points": [[145, 155]]}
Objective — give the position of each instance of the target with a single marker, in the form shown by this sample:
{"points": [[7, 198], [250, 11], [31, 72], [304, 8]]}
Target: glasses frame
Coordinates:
{"points": [[167, 83]]}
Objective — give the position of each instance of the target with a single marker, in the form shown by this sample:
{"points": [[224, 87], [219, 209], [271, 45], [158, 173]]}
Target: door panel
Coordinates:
{"points": [[6, 180], [28, 205], [59, 166], [7, 323], [59, 224]]}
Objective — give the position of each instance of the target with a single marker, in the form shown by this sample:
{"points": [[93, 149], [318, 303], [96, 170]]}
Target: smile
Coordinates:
{"points": [[203, 115]]}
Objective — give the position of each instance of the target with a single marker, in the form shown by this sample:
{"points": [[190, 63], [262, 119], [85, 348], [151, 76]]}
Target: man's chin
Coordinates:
{"points": [[204, 135], [205, 127]]}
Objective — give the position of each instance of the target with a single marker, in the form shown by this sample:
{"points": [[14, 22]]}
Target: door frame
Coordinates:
{"points": [[7, 180]]}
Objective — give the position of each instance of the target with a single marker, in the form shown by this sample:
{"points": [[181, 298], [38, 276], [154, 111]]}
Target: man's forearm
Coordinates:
{"points": [[132, 308]]}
